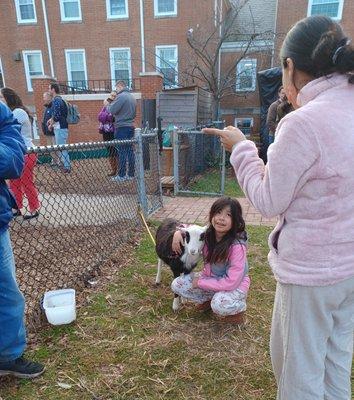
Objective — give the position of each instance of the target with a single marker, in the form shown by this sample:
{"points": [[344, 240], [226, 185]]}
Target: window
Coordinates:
{"points": [[33, 64], [2, 80], [165, 7], [117, 9], [70, 10], [76, 68], [246, 75], [25, 11], [167, 64], [121, 68], [331, 8]]}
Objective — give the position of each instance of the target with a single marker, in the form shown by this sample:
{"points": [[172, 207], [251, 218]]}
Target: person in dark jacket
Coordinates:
{"points": [[123, 108], [59, 123], [48, 132], [272, 114], [12, 303]]}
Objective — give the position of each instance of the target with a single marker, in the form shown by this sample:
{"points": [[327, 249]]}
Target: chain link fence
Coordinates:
{"points": [[198, 164], [84, 215]]}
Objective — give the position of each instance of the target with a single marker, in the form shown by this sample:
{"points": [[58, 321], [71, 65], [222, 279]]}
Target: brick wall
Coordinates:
{"points": [[289, 12]]}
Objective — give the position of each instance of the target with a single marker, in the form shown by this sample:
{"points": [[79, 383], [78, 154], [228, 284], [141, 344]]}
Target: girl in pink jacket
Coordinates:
{"points": [[309, 183], [224, 282]]}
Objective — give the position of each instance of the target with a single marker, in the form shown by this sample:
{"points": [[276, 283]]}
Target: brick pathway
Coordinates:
{"points": [[195, 210]]}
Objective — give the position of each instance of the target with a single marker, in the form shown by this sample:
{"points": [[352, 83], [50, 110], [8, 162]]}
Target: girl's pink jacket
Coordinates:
{"points": [[235, 278], [309, 183]]}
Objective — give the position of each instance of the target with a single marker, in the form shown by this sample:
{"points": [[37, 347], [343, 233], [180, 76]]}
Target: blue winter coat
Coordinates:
{"points": [[12, 151]]}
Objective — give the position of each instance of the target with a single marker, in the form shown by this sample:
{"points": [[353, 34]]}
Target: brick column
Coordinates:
{"points": [[40, 85], [150, 84]]}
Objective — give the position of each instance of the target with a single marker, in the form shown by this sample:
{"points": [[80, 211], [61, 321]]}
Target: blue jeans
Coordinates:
{"points": [[61, 137], [125, 151], [12, 305]]}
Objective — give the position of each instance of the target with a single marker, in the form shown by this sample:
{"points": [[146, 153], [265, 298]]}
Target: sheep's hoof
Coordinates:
{"points": [[157, 284], [176, 304]]}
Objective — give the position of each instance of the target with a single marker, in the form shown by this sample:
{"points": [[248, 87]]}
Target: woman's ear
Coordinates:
{"points": [[289, 82]]}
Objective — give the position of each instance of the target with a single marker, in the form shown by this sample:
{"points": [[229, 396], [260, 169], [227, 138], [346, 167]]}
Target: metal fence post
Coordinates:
{"points": [[140, 172], [175, 144], [223, 169]]}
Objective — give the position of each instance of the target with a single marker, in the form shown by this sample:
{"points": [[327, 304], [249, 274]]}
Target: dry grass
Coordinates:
{"points": [[128, 344]]}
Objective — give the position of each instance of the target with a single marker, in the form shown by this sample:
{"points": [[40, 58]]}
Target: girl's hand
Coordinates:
{"points": [[229, 136], [177, 242]]}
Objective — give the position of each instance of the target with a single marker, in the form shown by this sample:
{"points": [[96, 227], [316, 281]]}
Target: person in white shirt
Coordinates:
{"points": [[25, 184]]}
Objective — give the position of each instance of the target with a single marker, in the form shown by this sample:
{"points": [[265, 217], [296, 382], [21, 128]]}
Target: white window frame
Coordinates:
{"points": [[254, 77], [158, 59], [25, 53], [164, 14], [69, 19], [25, 21], [111, 58], [67, 58], [340, 9], [110, 16], [2, 72]]}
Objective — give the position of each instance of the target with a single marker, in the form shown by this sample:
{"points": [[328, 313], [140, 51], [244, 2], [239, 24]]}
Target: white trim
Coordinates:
{"points": [[2, 72], [25, 21], [62, 11], [254, 76], [257, 45], [25, 53], [158, 59], [340, 9], [47, 35], [67, 58], [111, 59], [142, 35], [110, 16], [165, 14]]}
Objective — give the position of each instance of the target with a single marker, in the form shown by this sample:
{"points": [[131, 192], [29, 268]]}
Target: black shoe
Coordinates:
{"points": [[31, 215], [21, 368], [16, 213]]}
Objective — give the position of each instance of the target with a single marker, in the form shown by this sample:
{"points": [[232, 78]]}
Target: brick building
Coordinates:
{"points": [[84, 41]]}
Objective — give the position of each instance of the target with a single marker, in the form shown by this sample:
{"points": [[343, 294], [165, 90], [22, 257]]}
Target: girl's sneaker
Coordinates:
{"points": [[16, 213], [206, 306], [236, 319]]}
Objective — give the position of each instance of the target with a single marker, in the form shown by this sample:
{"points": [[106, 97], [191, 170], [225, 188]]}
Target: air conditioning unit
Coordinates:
{"points": [[245, 124]]}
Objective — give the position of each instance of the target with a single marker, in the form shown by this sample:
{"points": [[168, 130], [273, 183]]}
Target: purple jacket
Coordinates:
{"points": [[106, 120]]}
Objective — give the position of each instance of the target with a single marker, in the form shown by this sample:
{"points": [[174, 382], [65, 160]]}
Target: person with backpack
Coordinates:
{"points": [[59, 124], [106, 129]]}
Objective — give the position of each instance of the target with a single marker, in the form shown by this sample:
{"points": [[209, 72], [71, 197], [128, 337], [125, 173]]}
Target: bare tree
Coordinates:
{"points": [[205, 67]]}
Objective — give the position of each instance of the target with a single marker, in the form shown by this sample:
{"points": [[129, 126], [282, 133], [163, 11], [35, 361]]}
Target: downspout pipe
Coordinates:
{"points": [[47, 35], [142, 36]]}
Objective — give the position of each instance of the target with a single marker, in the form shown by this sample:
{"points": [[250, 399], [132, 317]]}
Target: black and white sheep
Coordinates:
{"points": [[193, 241]]}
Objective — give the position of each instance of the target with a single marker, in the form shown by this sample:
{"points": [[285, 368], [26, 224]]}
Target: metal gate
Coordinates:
{"points": [[198, 164]]}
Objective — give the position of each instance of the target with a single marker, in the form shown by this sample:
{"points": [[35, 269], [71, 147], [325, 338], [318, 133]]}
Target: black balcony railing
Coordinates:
{"points": [[92, 86]]}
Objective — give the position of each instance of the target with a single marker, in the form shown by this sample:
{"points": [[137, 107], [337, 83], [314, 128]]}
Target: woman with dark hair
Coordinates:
{"points": [[25, 184], [309, 183]]}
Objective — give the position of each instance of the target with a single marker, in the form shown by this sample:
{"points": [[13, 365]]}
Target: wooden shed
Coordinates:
{"points": [[184, 107]]}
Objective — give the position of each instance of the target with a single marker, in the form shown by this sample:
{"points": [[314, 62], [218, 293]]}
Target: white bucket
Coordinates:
{"points": [[60, 306]]}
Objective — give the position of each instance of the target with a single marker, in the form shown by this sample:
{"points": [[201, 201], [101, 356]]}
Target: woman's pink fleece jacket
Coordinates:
{"points": [[309, 183]]}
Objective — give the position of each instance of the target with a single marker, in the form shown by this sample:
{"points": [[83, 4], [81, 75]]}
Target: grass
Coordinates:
{"points": [[210, 182], [128, 344]]}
